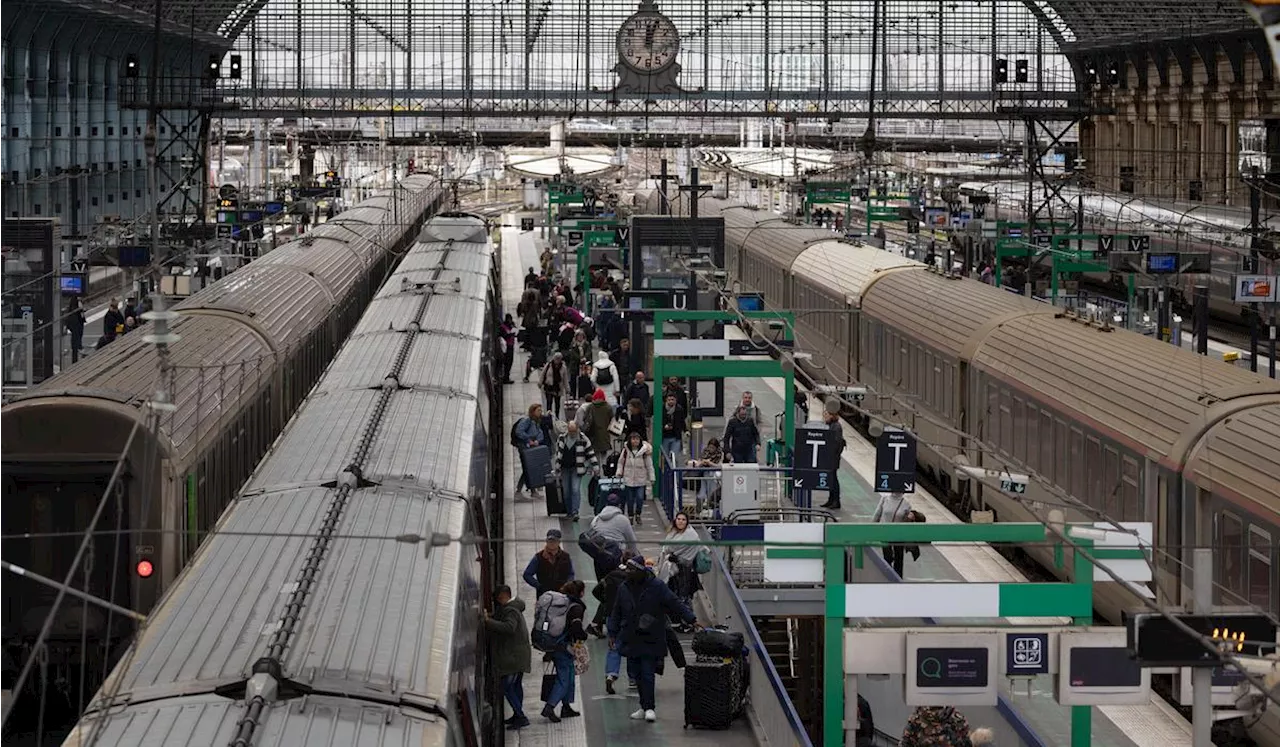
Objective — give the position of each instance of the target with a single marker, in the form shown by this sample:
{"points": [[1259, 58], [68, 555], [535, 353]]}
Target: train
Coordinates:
{"points": [[338, 599], [1132, 429], [252, 345]]}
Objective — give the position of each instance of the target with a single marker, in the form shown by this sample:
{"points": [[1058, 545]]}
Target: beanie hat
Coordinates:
{"points": [[602, 356], [598, 396], [613, 499]]}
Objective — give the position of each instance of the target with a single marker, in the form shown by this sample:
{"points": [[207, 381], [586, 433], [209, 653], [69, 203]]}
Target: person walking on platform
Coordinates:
{"points": [[75, 322], [636, 467], [594, 420], [612, 524], [605, 375], [551, 567], [638, 628], [833, 424], [581, 386], [673, 429], [638, 389], [893, 508], [741, 437], [527, 434], [625, 364], [512, 654], [635, 420], [555, 383], [672, 387], [606, 591], [563, 656], [579, 351], [577, 460], [531, 277], [507, 333], [680, 564]]}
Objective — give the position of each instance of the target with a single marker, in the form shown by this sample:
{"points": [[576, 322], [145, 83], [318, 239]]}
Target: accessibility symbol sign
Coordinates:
{"points": [[1027, 654]]}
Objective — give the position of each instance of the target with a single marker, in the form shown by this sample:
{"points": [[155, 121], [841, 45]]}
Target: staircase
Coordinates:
{"points": [[794, 644]]}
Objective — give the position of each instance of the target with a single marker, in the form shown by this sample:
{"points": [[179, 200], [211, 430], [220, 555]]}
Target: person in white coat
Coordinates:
{"points": [[893, 509], [679, 564], [604, 374], [635, 466]]}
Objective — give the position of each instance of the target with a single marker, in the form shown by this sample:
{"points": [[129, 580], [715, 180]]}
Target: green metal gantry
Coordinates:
{"points": [[719, 368]]}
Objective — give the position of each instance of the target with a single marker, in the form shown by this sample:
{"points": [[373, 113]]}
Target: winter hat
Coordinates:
{"points": [[613, 499], [602, 356], [598, 396]]}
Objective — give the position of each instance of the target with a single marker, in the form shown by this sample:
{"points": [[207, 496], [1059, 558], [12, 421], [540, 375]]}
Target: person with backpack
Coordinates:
{"points": [[558, 630], [594, 420], [551, 567], [636, 467], [511, 651], [527, 433], [638, 629], [936, 726], [605, 375]]}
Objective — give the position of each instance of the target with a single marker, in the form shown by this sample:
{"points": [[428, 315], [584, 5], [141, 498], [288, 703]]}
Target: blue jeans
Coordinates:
{"points": [[562, 691], [571, 487], [634, 500], [613, 665], [645, 668], [672, 444], [513, 690]]}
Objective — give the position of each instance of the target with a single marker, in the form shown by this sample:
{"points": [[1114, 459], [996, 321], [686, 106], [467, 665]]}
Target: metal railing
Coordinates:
{"points": [[775, 718]]}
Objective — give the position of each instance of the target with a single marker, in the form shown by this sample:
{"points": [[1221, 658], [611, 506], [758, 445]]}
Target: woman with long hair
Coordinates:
{"points": [[680, 561]]}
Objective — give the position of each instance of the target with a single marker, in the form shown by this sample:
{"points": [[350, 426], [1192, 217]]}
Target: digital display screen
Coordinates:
{"points": [[72, 285], [250, 216], [951, 667], [1104, 667], [273, 208], [226, 216], [750, 303], [135, 256], [1015, 233], [1162, 263]]}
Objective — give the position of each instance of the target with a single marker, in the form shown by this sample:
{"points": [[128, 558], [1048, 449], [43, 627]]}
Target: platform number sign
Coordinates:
{"points": [[1106, 243], [816, 456], [526, 224], [1139, 243], [895, 462], [622, 235]]}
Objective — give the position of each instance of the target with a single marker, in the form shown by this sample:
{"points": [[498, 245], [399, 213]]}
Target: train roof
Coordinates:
{"points": [[1238, 456], [848, 268], [378, 623]]}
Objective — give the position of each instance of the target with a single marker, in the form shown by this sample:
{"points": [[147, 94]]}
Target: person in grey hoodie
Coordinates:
{"points": [[614, 525], [892, 509]]}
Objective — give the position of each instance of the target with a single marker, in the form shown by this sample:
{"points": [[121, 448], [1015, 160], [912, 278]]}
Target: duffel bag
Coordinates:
{"points": [[717, 642]]}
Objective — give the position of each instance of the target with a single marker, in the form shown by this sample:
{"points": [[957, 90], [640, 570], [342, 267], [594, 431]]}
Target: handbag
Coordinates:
{"points": [[617, 427], [702, 563], [581, 657]]}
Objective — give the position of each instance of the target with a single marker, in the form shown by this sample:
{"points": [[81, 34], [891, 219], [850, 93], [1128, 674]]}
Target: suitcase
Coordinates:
{"points": [[711, 696], [537, 465], [570, 410], [555, 500], [602, 487]]}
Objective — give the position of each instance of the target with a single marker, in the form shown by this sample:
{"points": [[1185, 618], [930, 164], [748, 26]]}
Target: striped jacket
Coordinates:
{"points": [[584, 456]]}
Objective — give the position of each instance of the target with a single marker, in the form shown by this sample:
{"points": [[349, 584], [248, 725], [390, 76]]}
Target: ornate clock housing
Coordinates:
{"points": [[648, 44]]}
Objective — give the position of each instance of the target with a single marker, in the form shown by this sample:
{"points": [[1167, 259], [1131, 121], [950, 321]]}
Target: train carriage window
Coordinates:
{"points": [[1018, 436], [1231, 553], [1076, 466], [1130, 491], [1260, 549], [1044, 435], [930, 380], [1095, 495], [1005, 433]]}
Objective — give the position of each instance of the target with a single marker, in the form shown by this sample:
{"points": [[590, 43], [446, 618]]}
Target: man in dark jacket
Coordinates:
{"points": [[638, 389], [551, 567], [511, 650], [741, 437], [624, 359], [673, 427], [837, 434], [638, 628]]}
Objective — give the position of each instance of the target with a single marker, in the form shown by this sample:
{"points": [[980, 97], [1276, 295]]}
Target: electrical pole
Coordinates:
{"points": [[1202, 677], [1255, 208], [664, 204]]}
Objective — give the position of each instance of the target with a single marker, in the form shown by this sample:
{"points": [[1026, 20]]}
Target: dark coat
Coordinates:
{"points": [[512, 653], [649, 601], [741, 437]]}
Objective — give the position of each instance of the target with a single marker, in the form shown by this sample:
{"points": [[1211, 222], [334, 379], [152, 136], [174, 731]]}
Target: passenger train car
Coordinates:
{"points": [[315, 615], [252, 346], [1133, 428]]}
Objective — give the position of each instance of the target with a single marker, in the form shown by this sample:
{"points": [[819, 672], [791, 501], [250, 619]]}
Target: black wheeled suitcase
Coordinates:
{"points": [[555, 499], [717, 643], [537, 465], [710, 694]]}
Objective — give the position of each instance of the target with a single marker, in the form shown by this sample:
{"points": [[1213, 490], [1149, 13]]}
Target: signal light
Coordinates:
{"points": [[214, 71], [145, 569], [1022, 72], [1002, 71], [235, 67], [131, 66], [1226, 640]]}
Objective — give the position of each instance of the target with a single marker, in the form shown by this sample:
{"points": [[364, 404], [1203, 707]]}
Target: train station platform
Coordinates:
{"points": [[606, 718], [1034, 719]]}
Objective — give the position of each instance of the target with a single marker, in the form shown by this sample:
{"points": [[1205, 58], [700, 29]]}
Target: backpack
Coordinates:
{"points": [[515, 440], [604, 377], [596, 545], [550, 618]]}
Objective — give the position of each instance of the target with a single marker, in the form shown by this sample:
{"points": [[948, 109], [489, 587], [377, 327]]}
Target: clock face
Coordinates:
{"points": [[648, 42]]}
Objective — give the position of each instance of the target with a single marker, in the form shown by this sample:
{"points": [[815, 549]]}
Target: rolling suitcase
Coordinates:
{"points": [[554, 499], [717, 643], [537, 465], [710, 694], [603, 487]]}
